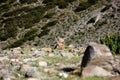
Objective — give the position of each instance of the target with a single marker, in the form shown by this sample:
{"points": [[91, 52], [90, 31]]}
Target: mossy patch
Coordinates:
{"points": [[28, 36], [16, 12], [9, 32], [7, 1], [49, 15], [52, 23], [24, 21], [59, 3], [43, 33], [28, 1], [4, 7]]}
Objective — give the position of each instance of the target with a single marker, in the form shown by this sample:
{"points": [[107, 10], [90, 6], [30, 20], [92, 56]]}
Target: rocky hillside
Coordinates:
{"points": [[40, 22]]}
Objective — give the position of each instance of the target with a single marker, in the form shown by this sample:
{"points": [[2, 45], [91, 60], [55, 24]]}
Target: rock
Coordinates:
{"points": [[33, 79], [14, 60], [29, 60], [26, 67], [95, 51], [6, 74], [36, 52], [46, 70], [17, 50], [30, 71], [4, 58], [41, 53], [63, 74], [67, 54], [60, 46], [43, 64], [33, 49], [50, 70], [101, 50], [60, 40], [47, 49], [100, 56], [71, 48], [81, 49], [51, 55], [95, 71], [117, 68], [116, 78]]}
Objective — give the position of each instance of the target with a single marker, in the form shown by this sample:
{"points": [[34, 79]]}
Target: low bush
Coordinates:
{"points": [[113, 42]]}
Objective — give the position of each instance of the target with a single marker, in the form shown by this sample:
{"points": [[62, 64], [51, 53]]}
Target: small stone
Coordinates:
{"points": [[30, 71], [43, 64], [4, 58], [50, 70], [47, 49], [33, 49], [46, 70], [81, 49], [67, 54], [60, 46], [17, 50], [57, 64], [15, 60], [51, 55], [7, 78], [36, 52], [29, 60], [33, 79], [63, 74], [26, 67], [71, 48], [42, 53], [61, 40]]}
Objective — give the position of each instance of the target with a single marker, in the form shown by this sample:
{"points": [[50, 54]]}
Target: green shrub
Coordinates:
{"points": [[113, 42]]}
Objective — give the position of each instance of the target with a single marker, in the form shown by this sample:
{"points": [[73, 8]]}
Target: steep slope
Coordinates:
{"points": [[40, 22]]}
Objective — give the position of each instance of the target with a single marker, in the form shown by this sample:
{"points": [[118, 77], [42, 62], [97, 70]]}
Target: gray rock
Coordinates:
{"points": [[17, 50], [33, 79], [63, 75], [100, 50], [41, 53], [116, 78], [4, 58], [95, 51], [95, 71], [30, 71], [43, 64], [66, 54], [51, 55], [29, 60]]}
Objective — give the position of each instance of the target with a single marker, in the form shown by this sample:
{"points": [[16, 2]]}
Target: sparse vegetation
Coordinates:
{"points": [[113, 42]]}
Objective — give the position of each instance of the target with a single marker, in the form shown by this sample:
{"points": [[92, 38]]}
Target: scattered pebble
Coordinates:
{"points": [[47, 49], [63, 74], [67, 54], [43, 64], [51, 55], [33, 79]]}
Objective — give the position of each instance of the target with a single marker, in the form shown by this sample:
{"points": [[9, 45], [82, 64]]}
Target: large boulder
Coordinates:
{"points": [[95, 51], [100, 50], [97, 61]]}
